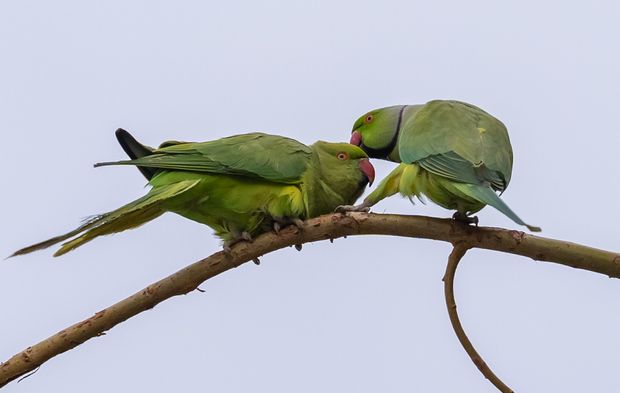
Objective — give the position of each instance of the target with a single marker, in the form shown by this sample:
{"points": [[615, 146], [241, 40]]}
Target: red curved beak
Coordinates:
{"points": [[368, 170], [356, 139]]}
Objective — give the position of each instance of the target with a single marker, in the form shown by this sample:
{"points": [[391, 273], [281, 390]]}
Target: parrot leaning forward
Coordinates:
{"points": [[452, 152], [240, 186]]}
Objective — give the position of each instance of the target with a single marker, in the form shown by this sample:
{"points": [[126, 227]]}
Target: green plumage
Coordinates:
{"points": [[239, 186], [257, 155], [454, 153]]}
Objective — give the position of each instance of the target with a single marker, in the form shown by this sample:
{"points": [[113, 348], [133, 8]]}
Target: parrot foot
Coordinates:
{"points": [[299, 223], [464, 218], [236, 238], [279, 223], [344, 209]]}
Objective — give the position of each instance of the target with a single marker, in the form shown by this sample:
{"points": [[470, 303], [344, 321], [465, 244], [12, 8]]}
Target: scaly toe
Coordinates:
{"points": [[298, 223], [246, 236], [344, 209]]}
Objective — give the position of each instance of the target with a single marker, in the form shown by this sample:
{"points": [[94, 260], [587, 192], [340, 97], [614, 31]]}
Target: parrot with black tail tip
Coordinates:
{"points": [[240, 186]]}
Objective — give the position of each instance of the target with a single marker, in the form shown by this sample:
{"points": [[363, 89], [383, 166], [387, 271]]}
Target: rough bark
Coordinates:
{"points": [[320, 228]]}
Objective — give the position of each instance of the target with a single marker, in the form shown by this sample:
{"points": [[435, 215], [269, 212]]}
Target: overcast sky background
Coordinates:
{"points": [[363, 314]]}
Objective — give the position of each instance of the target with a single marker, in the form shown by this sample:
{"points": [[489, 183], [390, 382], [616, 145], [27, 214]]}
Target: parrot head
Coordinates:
{"points": [[345, 168], [376, 132]]}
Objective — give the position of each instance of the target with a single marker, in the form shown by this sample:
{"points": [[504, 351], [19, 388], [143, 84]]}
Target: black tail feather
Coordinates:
{"points": [[135, 149]]}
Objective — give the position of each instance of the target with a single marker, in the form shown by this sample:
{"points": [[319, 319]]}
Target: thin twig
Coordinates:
{"points": [[326, 227], [448, 279]]}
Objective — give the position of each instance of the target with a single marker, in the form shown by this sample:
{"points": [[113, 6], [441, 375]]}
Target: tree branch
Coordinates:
{"points": [[321, 228], [453, 261]]}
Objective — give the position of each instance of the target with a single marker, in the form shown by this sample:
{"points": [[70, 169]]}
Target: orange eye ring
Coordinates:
{"points": [[368, 119], [342, 156]]}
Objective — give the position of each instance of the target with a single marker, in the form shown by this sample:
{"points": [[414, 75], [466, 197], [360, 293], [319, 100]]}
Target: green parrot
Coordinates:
{"points": [[240, 186], [452, 152]]}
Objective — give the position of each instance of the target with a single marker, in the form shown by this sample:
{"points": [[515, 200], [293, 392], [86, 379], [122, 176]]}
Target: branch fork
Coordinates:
{"points": [[327, 227]]}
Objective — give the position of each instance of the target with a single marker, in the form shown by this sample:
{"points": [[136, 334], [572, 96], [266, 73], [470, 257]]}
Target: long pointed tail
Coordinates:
{"points": [[126, 217], [488, 196]]}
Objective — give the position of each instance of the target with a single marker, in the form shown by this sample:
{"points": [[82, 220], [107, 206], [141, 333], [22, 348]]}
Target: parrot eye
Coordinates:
{"points": [[368, 119], [342, 156]]}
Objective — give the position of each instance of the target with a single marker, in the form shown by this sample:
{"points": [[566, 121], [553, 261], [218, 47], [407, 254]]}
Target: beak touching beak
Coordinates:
{"points": [[356, 138], [368, 170]]}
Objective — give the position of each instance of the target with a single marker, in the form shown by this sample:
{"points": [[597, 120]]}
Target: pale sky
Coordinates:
{"points": [[364, 314]]}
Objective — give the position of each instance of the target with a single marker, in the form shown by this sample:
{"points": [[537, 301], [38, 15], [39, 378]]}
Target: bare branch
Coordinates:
{"points": [[321, 228], [448, 279]]}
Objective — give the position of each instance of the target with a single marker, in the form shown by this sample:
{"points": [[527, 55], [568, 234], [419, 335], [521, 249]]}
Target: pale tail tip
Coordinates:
{"points": [[534, 229]]}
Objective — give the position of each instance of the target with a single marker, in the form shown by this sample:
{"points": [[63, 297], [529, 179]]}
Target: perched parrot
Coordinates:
{"points": [[452, 152], [240, 186]]}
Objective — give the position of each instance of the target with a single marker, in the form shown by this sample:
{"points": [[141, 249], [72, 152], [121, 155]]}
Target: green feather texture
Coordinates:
{"points": [[240, 186], [461, 154], [264, 156], [489, 197]]}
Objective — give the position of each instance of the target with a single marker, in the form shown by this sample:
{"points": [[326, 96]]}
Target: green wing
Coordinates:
{"points": [[256, 155], [458, 141]]}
